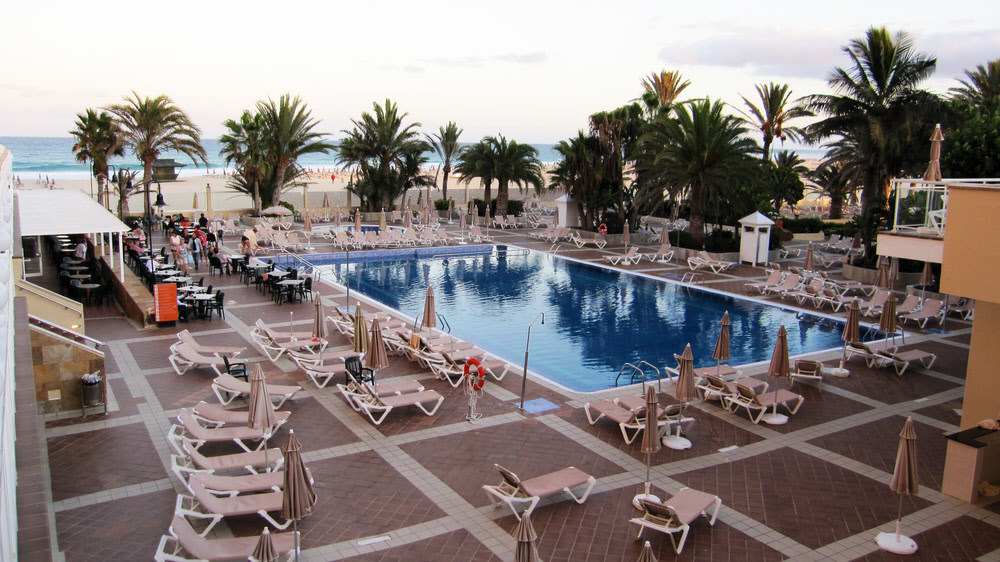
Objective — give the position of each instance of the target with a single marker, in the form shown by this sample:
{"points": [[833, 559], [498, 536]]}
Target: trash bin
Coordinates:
{"points": [[92, 394]]}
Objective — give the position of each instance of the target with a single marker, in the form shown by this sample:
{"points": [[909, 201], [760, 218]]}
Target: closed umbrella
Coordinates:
{"points": [[326, 200], [893, 270], [381, 221], [407, 218], [647, 554], [625, 235], [809, 258], [430, 316], [376, 358], [336, 217], [650, 443], [261, 413], [721, 352], [307, 223], [778, 369], [461, 223], [487, 217], [425, 214], [297, 494], [926, 278], [664, 234], [264, 551], [852, 333], [360, 329], [684, 393], [208, 200], [887, 320], [526, 550], [319, 320], [194, 204], [933, 172], [451, 209], [904, 482], [883, 279], [357, 221]]}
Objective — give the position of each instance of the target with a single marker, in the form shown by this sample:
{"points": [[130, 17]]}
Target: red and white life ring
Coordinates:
{"points": [[477, 383], [603, 229]]}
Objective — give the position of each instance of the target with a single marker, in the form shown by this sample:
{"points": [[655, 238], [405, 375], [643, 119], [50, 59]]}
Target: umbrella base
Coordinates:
{"points": [[835, 372], [676, 442], [775, 419], [638, 497], [888, 542]]}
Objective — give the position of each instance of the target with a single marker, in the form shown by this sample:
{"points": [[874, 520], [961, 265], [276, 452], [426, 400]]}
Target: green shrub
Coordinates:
{"points": [[442, 204], [287, 205], [515, 207], [804, 225], [721, 241], [615, 224]]}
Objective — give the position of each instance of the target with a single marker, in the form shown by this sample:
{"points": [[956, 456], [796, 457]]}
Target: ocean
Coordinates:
{"points": [[52, 157]]}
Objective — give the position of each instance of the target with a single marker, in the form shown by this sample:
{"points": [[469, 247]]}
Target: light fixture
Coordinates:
{"points": [[73, 326]]}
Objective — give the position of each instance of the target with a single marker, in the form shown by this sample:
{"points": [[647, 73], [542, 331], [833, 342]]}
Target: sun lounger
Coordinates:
{"points": [[860, 348], [491, 366], [214, 415], [183, 538], [810, 291], [275, 343], [476, 234], [630, 422], [545, 234], [186, 338], [327, 356], [223, 463], [874, 305], [183, 358], [558, 235], [664, 253], [223, 485], [790, 282], [910, 304], [931, 309], [581, 241], [189, 427], [355, 389], [836, 300], [512, 490], [378, 407], [964, 308], [672, 414], [807, 370], [676, 514], [227, 388], [703, 259], [902, 359], [715, 387], [759, 404], [773, 280], [630, 257], [209, 506]]}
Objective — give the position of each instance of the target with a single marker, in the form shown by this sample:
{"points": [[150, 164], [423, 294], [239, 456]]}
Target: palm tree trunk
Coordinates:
{"points": [[147, 180], [486, 192], [765, 158], [279, 174], [444, 182], [697, 222], [123, 210], [502, 196], [836, 208]]}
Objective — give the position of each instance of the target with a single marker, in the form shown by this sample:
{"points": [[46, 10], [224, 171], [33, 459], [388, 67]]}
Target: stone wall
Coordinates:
{"points": [[58, 365]]}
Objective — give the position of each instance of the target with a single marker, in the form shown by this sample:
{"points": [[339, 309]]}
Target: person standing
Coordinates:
{"points": [[175, 246], [182, 258], [196, 248]]}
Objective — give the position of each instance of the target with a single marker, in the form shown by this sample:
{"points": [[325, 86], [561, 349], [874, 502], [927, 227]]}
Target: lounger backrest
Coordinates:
{"points": [[188, 538], [509, 477], [931, 307], [716, 382], [808, 367], [661, 511], [187, 339], [746, 393]]}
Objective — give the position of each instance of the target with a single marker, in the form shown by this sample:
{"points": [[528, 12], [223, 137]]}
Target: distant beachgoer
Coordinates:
{"points": [[333, 177], [175, 244], [203, 222]]}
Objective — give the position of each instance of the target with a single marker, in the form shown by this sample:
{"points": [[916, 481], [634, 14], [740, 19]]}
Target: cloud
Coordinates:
{"points": [[536, 57], [960, 51], [763, 52]]}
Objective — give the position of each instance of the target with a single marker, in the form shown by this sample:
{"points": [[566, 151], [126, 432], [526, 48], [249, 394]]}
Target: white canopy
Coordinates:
{"points": [[64, 211]]}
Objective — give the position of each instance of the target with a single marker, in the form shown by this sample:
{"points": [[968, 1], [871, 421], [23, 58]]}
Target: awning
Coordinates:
{"points": [[45, 212]]}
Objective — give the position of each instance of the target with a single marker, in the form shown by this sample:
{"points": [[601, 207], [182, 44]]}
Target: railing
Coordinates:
{"points": [[922, 206], [46, 294], [636, 371], [62, 333]]}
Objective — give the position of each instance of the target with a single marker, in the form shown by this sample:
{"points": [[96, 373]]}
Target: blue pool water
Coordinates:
{"points": [[596, 319]]}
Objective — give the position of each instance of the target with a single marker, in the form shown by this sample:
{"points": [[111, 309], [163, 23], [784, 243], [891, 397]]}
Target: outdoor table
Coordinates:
{"points": [[177, 279], [72, 261], [292, 282], [191, 289], [166, 272], [80, 276], [200, 300], [277, 273], [88, 287], [76, 267]]}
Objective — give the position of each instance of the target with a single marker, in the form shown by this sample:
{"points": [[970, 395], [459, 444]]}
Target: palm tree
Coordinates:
{"points": [[153, 126], [243, 146], [879, 104], [288, 134], [580, 172], [699, 149], [98, 138], [983, 85], [835, 184], [617, 132], [445, 143], [771, 117], [494, 158], [662, 90], [381, 146]]}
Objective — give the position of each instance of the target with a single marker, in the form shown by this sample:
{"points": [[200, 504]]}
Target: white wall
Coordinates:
{"points": [[8, 471]]}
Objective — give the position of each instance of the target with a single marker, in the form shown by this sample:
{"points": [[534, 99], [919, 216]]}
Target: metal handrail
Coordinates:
{"points": [[58, 330], [632, 374], [27, 286], [659, 379]]}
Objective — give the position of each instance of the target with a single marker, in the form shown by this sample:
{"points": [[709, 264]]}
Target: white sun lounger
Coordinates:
{"points": [[227, 388], [512, 490]]}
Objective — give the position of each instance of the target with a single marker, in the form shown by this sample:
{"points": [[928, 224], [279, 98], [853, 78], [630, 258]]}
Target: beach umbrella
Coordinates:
{"points": [[883, 280], [425, 214], [307, 225], [647, 554], [297, 494], [381, 221], [778, 369], [326, 200], [904, 483], [357, 221], [336, 217], [264, 551], [461, 223], [926, 278], [376, 358], [319, 320], [276, 210], [933, 172], [360, 327], [430, 315], [194, 204], [451, 209], [852, 333], [261, 413], [487, 217], [684, 393], [650, 443], [664, 234], [407, 218], [305, 196], [721, 352], [887, 320], [809, 258], [524, 532], [893, 270], [625, 234]]}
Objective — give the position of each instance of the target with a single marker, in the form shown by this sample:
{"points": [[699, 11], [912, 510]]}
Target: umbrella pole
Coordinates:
{"points": [[295, 529]]}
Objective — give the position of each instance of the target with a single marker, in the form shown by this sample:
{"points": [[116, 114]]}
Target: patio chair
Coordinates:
{"points": [[757, 405], [378, 407], [512, 490], [544, 234], [773, 280], [199, 434], [209, 506], [902, 359], [214, 415], [512, 221], [183, 538], [931, 309], [187, 339], [580, 241], [664, 253], [630, 257], [630, 422], [676, 514], [227, 388], [807, 370], [183, 358], [860, 348]]}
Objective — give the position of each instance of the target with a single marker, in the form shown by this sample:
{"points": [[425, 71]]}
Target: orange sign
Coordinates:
{"points": [[165, 297]]}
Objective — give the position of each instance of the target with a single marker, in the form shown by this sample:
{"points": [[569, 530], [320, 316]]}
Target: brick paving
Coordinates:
{"points": [[410, 489]]}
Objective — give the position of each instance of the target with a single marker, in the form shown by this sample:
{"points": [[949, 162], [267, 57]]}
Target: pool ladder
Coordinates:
{"points": [[635, 371]]}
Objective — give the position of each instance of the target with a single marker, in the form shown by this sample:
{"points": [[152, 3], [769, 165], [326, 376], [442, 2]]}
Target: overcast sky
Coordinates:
{"points": [[531, 70]]}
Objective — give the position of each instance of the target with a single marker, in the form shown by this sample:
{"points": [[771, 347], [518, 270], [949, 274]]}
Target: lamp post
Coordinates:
{"points": [[112, 178], [524, 379]]}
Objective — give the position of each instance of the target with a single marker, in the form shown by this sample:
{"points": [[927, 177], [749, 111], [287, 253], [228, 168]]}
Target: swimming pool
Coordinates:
{"points": [[596, 319]]}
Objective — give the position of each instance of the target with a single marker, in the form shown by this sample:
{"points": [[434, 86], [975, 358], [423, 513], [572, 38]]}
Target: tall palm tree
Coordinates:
{"points": [[153, 126], [580, 172], [662, 90], [382, 147], [243, 146], [289, 134], [772, 116], [445, 143], [699, 149], [98, 138], [982, 86], [617, 132], [878, 101], [494, 158], [835, 184]]}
